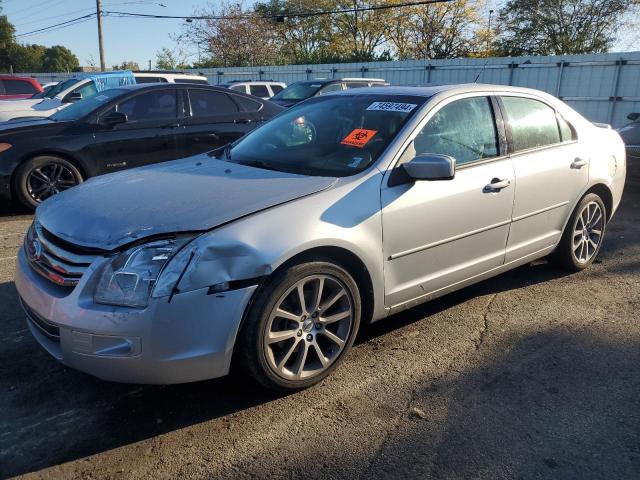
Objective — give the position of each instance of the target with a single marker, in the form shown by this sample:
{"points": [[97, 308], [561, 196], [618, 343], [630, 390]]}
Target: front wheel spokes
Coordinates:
{"points": [[309, 327]]}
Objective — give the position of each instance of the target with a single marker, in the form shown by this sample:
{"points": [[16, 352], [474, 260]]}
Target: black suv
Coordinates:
{"points": [[299, 91]]}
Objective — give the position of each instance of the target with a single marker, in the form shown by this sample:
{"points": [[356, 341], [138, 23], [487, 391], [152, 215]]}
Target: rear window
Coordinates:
{"points": [[188, 80], [357, 84], [277, 88], [533, 123], [205, 103], [151, 80], [239, 88], [17, 87], [259, 90]]}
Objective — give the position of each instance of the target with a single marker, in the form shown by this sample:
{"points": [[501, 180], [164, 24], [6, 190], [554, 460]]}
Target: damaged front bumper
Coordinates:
{"points": [[185, 339]]}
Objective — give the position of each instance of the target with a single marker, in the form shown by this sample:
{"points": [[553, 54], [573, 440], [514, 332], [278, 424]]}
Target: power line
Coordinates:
{"points": [[66, 23], [274, 16]]}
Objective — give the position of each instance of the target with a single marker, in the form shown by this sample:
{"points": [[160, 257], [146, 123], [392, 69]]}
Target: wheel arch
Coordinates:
{"points": [[604, 192]]}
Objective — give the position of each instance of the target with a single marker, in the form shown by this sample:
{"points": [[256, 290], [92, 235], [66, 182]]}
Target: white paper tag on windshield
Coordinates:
{"points": [[392, 107]]}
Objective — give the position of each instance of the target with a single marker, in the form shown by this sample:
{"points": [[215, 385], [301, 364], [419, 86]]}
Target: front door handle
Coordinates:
{"points": [[496, 185], [242, 120], [578, 163]]}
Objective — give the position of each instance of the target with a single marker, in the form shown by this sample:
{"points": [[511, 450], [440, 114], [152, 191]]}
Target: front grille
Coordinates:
{"points": [[46, 328], [56, 259]]}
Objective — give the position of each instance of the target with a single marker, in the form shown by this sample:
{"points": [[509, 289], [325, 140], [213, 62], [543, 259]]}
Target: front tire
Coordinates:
{"points": [[42, 177], [301, 326], [583, 235]]}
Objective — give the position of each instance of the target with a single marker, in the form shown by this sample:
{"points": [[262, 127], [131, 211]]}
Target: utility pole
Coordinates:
{"points": [[99, 16], [489, 33]]}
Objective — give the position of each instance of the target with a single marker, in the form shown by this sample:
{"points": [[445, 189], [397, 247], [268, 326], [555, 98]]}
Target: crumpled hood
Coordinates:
{"points": [[192, 194]]}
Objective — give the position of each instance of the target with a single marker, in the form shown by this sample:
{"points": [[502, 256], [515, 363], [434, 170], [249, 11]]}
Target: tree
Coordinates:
{"points": [[555, 27], [359, 35], [7, 40], [167, 59], [241, 38], [440, 30], [127, 65], [302, 39], [26, 58], [59, 59]]}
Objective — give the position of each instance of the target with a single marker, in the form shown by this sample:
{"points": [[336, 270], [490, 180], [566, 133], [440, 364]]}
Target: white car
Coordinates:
{"points": [[84, 86], [166, 76], [264, 90], [79, 87]]}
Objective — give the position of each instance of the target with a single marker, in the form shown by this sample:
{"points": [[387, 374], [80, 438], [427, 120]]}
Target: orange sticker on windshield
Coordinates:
{"points": [[358, 137]]}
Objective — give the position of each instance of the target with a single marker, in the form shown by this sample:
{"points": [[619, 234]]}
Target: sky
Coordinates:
{"points": [[125, 39]]}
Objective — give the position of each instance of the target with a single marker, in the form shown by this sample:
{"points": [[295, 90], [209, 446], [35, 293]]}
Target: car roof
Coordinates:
{"points": [[436, 89], [14, 77], [163, 85]]}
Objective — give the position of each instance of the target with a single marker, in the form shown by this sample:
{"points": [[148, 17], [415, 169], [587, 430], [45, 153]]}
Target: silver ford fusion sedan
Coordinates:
{"points": [[270, 253]]}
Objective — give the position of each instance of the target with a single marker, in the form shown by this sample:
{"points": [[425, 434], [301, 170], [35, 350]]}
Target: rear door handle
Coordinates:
{"points": [[242, 120], [496, 185], [578, 163]]}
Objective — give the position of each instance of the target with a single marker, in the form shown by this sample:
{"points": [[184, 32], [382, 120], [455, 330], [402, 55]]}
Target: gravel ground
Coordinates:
{"points": [[533, 374]]}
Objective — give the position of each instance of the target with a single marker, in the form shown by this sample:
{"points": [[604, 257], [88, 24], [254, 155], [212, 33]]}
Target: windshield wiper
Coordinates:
{"points": [[259, 164]]}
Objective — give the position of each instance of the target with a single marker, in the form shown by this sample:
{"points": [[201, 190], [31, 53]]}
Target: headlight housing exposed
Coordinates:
{"points": [[128, 279]]}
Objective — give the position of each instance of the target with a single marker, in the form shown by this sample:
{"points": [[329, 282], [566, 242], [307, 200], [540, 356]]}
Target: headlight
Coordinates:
{"points": [[129, 278]]}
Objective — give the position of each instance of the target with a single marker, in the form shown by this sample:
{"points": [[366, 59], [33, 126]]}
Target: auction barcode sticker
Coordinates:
{"points": [[392, 106]]}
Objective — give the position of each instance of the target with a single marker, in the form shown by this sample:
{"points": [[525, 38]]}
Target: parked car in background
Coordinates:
{"points": [[340, 211], [117, 129], [299, 91], [12, 87], [167, 76], [79, 87], [264, 90], [630, 134]]}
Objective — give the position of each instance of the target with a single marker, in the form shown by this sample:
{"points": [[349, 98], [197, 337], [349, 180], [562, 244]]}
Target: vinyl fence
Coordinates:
{"points": [[603, 87]]}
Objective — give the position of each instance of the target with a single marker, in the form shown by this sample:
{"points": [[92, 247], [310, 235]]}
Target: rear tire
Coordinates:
{"points": [[288, 344], [42, 177], [583, 235]]}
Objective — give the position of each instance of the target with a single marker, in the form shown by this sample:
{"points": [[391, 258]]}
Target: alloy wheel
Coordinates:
{"points": [[309, 327], [49, 179], [587, 233]]}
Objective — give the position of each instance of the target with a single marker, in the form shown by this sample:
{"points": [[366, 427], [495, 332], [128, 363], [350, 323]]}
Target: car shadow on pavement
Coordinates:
{"points": [[54, 414], [554, 404]]}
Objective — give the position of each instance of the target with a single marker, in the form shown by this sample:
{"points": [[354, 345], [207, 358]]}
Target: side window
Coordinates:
{"points": [[87, 90], [464, 129], [533, 123], [276, 88], [567, 133], [332, 87], [16, 87], [151, 80], [247, 104], [205, 103], [191, 80], [239, 88], [259, 90], [150, 106], [357, 84]]}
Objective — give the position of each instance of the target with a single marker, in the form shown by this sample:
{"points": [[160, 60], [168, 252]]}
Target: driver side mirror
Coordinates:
{"points": [[113, 118], [431, 166], [72, 97]]}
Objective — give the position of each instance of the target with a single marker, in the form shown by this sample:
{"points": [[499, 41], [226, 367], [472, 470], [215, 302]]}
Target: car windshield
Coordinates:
{"points": [[77, 110], [299, 91], [327, 136], [60, 87]]}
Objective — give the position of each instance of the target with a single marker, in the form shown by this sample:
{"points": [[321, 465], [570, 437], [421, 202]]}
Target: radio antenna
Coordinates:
{"points": [[488, 48]]}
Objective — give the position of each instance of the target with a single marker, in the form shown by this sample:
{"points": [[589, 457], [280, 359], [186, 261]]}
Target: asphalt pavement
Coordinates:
{"points": [[531, 375]]}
